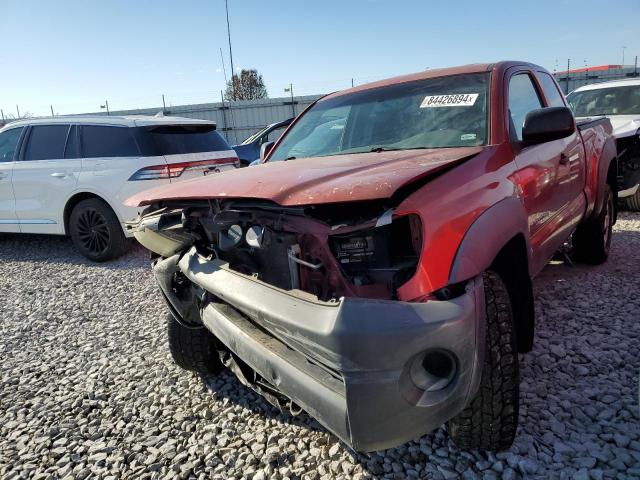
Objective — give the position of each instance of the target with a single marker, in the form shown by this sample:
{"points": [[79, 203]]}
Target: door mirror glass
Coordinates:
{"points": [[547, 124], [265, 149]]}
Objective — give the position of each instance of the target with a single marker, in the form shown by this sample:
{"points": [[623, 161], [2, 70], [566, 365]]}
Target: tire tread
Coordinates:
{"points": [[490, 421]]}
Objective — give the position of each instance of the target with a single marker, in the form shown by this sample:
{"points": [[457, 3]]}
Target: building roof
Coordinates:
{"points": [[597, 68]]}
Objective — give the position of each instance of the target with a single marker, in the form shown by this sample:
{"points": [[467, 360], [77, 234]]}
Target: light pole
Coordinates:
{"points": [[623, 49], [293, 106], [233, 85], [106, 105]]}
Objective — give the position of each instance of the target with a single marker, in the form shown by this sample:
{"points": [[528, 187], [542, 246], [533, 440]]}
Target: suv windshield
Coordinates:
{"points": [[606, 101], [434, 113]]}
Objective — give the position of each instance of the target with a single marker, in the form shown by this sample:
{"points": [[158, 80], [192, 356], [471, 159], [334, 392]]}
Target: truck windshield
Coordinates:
{"points": [[606, 101], [433, 113]]}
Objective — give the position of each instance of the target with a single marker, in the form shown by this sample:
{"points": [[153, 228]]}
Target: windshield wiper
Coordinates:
{"points": [[382, 149], [289, 158]]}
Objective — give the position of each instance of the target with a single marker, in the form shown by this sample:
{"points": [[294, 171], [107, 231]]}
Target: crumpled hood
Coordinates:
{"points": [[317, 180], [624, 125]]}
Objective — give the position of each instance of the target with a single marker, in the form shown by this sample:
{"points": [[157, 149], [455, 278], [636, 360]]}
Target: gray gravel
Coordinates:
{"points": [[88, 388]]}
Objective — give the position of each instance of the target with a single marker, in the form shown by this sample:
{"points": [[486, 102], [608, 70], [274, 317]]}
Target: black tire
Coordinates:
{"points": [[490, 421], [96, 231], [192, 349], [633, 202], [592, 239]]}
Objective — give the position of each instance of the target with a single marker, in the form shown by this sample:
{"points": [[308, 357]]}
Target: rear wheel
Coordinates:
{"points": [[192, 348], [490, 421], [633, 202], [96, 231], [592, 239]]}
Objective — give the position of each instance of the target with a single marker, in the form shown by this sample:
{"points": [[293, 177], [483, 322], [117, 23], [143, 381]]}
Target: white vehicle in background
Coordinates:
{"points": [[70, 175], [618, 100]]}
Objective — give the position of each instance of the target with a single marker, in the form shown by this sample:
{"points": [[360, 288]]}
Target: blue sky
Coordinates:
{"points": [[74, 54]]}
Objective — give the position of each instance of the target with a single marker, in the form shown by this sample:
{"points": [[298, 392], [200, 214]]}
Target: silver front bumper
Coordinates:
{"points": [[346, 363]]}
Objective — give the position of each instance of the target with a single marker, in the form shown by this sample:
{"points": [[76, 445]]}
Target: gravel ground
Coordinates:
{"points": [[88, 388]]}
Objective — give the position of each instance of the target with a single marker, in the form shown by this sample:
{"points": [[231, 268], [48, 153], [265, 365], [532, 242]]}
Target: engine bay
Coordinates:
{"points": [[359, 250]]}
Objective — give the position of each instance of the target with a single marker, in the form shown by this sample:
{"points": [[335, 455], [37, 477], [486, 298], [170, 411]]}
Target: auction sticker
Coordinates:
{"points": [[456, 100]]}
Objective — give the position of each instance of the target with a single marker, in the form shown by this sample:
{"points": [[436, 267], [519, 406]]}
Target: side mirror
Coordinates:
{"points": [[265, 148], [547, 124]]}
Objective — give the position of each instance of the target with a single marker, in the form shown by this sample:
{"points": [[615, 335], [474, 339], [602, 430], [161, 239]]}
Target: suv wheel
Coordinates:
{"points": [[592, 239], [633, 202], [193, 348], [96, 231], [490, 421]]}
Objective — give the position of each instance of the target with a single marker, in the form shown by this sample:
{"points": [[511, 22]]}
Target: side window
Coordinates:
{"points": [[522, 99], [46, 142], [273, 135], [72, 150], [107, 141], [8, 143], [550, 89]]}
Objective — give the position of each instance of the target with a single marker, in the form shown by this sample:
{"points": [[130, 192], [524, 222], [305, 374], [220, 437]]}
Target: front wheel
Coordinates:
{"points": [[96, 231], [193, 348], [592, 239], [490, 421]]}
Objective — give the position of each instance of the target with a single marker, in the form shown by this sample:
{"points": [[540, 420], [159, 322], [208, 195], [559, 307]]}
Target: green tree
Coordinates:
{"points": [[246, 86]]}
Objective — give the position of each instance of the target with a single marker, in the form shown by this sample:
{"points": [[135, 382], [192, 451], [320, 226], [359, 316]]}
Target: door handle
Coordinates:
{"points": [[564, 158], [59, 175]]}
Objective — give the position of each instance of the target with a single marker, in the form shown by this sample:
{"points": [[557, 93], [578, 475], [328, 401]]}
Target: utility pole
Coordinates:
{"points": [[224, 69], [2, 113], [635, 67], [106, 105], [293, 105], [164, 107], [568, 68], [623, 49], [52, 114], [233, 87], [18, 110], [352, 82]]}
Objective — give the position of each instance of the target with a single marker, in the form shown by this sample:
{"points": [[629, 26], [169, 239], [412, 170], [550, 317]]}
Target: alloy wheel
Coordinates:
{"points": [[93, 231]]}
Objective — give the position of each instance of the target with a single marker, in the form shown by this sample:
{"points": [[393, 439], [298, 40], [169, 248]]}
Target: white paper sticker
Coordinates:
{"points": [[455, 100], [468, 136]]}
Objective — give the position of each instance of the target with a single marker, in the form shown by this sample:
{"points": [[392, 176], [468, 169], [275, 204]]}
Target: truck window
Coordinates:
{"points": [[46, 142], [522, 99], [550, 89], [8, 142], [108, 141]]}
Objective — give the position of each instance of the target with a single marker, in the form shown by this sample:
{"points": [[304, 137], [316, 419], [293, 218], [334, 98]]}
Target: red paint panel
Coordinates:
{"points": [[339, 178]]}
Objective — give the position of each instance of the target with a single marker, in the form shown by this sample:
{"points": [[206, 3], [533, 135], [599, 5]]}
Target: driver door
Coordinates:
{"points": [[9, 140], [545, 173]]}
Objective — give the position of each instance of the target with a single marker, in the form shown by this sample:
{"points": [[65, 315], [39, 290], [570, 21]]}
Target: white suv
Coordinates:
{"points": [[619, 100], [70, 175]]}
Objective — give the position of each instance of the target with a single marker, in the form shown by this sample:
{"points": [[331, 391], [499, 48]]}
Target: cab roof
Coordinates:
{"points": [[438, 72]]}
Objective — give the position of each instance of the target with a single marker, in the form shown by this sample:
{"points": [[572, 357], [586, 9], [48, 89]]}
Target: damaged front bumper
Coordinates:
{"points": [[376, 373]]}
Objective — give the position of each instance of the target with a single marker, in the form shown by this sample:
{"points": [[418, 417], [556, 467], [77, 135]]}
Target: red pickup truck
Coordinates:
{"points": [[375, 269]]}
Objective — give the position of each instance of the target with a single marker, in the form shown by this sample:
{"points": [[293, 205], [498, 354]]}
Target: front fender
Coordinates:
{"points": [[487, 235]]}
